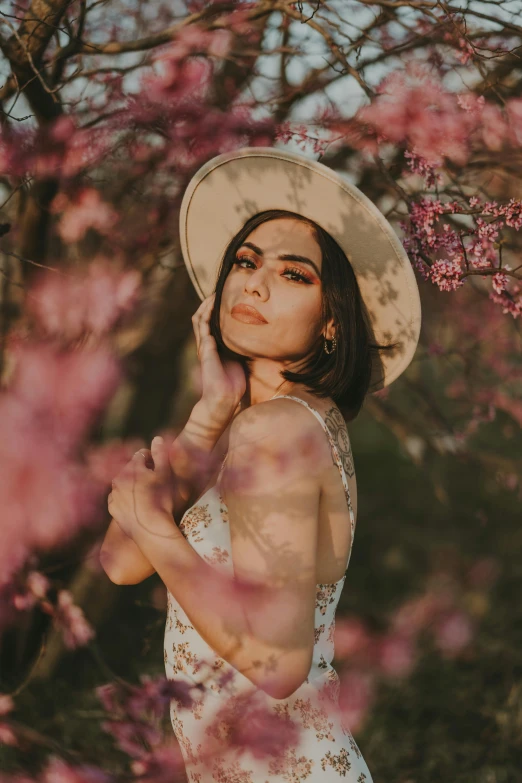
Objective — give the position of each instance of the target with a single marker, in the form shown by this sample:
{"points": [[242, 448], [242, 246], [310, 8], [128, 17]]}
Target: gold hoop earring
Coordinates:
{"points": [[332, 349]]}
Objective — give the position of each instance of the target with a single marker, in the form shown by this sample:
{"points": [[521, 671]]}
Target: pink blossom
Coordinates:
{"points": [[46, 494], [6, 704], [499, 281], [24, 601], [158, 598], [484, 572], [65, 389], [453, 631], [180, 80], [63, 128], [164, 764], [419, 165], [351, 638], [446, 274], [106, 460], [38, 584], [413, 107], [59, 771], [493, 127], [510, 301], [357, 693], [435, 349], [7, 735], [86, 211], [417, 614], [136, 712], [71, 620], [259, 730], [89, 302], [466, 51], [45, 497], [471, 103], [396, 655]]}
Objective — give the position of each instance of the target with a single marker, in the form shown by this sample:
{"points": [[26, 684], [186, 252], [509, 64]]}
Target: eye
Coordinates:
{"points": [[298, 276], [241, 259]]}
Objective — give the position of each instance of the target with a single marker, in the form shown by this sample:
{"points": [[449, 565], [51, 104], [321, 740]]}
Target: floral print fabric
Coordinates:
{"points": [[227, 704]]}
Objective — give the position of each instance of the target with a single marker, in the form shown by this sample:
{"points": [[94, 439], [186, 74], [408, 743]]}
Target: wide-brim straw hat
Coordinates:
{"points": [[232, 187]]}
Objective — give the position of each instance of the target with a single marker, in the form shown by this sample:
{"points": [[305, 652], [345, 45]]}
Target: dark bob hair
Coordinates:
{"points": [[345, 374]]}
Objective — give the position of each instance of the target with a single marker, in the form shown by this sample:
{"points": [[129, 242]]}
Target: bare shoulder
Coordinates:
{"points": [[284, 428]]}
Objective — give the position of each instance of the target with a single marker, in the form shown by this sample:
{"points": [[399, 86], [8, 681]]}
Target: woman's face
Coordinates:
{"points": [[287, 293]]}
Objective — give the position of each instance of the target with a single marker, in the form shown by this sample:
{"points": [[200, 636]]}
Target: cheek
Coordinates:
{"points": [[303, 311], [227, 298]]}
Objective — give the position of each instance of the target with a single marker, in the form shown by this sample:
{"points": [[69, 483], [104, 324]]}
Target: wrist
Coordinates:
{"points": [[205, 426], [160, 525]]}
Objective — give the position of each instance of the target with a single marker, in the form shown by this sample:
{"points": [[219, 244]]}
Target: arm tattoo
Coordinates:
{"points": [[337, 427]]}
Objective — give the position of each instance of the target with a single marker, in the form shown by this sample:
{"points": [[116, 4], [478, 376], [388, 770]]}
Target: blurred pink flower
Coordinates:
{"points": [[396, 655], [46, 493], [418, 613], [136, 712], [453, 631], [158, 598], [350, 638], [179, 80], [493, 127], [357, 693], [262, 732], [249, 723], [499, 281], [164, 764], [7, 735], [59, 771], [87, 210], [6, 703], [38, 584], [105, 461], [70, 619], [412, 106], [435, 349], [484, 572], [92, 301], [58, 394]]}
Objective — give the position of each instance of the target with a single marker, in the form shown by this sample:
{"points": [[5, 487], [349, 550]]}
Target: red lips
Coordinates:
{"points": [[248, 314]]}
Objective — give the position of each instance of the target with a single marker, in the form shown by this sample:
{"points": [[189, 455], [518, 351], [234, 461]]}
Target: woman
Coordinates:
{"points": [[285, 342]]}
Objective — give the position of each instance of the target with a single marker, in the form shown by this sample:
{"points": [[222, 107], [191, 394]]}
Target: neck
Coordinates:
{"points": [[264, 382]]}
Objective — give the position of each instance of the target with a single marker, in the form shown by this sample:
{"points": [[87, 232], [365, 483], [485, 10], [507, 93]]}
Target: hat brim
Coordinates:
{"points": [[232, 187]]}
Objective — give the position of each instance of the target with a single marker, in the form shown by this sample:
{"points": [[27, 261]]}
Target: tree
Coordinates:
{"points": [[106, 114]]}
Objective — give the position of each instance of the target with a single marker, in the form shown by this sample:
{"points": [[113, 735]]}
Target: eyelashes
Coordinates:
{"points": [[290, 269]]}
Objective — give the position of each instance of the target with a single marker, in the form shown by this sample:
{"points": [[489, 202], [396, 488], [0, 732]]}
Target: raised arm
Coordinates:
{"points": [[192, 457]]}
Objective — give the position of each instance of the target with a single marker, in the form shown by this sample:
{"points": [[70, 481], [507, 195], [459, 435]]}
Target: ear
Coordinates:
{"points": [[329, 332]]}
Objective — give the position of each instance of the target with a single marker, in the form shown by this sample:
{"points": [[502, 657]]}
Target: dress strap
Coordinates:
{"points": [[335, 450]]}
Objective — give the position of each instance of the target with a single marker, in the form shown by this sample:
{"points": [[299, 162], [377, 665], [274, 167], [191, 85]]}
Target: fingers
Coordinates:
{"points": [[160, 456], [200, 321]]}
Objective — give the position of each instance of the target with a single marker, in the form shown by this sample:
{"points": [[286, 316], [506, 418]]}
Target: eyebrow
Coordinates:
{"points": [[285, 257]]}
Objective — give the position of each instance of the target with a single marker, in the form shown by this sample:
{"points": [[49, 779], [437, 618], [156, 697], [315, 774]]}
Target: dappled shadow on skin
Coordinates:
{"points": [[255, 566]]}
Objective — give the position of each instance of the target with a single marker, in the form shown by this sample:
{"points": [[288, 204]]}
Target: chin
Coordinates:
{"points": [[235, 338]]}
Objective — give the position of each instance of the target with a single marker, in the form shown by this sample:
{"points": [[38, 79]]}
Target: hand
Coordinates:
{"points": [[142, 490], [223, 382]]}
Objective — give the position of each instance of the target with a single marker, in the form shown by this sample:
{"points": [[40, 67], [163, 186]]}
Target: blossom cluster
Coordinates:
{"points": [[67, 617], [441, 613], [446, 253]]}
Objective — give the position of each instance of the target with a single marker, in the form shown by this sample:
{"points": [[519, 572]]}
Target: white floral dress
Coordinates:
{"points": [[227, 707]]}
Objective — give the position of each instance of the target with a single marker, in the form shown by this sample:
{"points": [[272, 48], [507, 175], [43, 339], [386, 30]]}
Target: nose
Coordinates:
{"points": [[257, 283]]}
